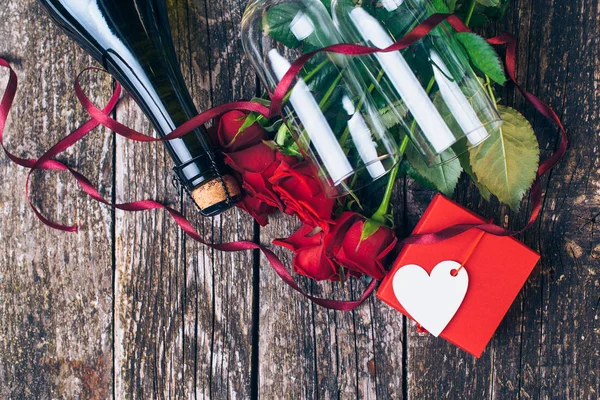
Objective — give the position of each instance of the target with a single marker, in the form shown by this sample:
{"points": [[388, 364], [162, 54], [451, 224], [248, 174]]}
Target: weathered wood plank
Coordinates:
{"points": [[287, 337], [549, 337], [149, 276], [184, 311], [389, 326], [564, 363], [218, 314], [310, 352], [55, 288]]}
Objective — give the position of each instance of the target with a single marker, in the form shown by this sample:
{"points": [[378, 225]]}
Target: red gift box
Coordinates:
{"points": [[497, 267]]}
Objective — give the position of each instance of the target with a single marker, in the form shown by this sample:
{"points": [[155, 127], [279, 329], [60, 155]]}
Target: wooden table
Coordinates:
{"points": [[129, 307]]}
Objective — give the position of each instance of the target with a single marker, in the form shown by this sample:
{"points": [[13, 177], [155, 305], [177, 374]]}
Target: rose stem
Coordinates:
{"points": [[382, 211], [470, 12]]}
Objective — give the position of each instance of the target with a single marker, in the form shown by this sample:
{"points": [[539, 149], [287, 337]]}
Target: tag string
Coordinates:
{"points": [[102, 117], [480, 236]]}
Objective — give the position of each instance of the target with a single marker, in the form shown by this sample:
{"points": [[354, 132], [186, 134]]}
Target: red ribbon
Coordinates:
{"points": [[101, 117]]}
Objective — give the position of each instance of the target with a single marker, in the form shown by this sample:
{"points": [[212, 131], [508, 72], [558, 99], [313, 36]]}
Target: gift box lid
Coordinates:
{"points": [[497, 267]]}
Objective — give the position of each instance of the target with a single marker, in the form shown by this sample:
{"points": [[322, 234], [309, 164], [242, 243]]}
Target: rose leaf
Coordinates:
{"points": [[482, 55], [443, 174], [507, 162]]}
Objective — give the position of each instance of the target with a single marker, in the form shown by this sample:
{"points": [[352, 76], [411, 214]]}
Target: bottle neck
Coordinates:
{"points": [[132, 39]]}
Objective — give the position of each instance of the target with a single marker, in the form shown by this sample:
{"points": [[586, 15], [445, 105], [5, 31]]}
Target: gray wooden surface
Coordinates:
{"points": [[131, 308]]}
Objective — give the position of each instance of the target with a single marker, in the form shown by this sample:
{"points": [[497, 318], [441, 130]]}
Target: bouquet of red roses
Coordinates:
{"points": [[331, 244], [353, 235]]}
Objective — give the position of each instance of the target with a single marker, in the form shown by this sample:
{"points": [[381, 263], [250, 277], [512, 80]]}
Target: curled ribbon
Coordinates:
{"points": [[101, 117]]}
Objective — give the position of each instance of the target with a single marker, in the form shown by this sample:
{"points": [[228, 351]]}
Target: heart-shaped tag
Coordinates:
{"points": [[432, 300]]}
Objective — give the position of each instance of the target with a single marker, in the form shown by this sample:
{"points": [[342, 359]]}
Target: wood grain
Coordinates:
{"points": [[55, 288], [550, 335], [220, 285], [131, 308], [184, 311], [286, 333], [310, 352]]}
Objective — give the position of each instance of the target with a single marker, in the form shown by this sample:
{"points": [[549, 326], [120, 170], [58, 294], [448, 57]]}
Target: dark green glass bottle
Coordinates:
{"points": [[132, 40]]}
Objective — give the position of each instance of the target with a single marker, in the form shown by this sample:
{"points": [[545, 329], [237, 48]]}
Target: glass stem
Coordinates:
{"points": [[359, 106]]}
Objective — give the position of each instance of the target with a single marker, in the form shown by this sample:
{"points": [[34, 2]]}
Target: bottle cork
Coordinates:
{"points": [[216, 191]]}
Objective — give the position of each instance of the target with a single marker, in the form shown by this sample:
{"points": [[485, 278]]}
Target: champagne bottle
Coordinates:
{"points": [[132, 40]]}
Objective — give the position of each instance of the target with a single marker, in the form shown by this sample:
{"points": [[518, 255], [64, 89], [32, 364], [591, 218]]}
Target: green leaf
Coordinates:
{"points": [[466, 165], [408, 170], [271, 126], [260, 100], [482, 14], [277, 20], [283, 135], [398, 22], [441, 6], [249, 120], [390, 114], [489, 3], [507, 162], [452, 5], [289, 150], [325, 80], [478, 20], [460, 147], [482, 55], [444, 175], [497, 12]]}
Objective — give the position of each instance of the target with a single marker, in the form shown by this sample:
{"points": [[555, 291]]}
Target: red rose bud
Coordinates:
{"points": [[303, 195], [229, 136], [310, 259], [366, 257]]}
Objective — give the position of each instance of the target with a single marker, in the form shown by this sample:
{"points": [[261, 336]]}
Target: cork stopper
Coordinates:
{"points": [[213, 192]]}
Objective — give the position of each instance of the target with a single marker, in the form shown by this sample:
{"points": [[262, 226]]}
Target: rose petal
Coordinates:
{"points": [[258, 209], [344, 245], [255, 159], [310, 258], [229, 136]]}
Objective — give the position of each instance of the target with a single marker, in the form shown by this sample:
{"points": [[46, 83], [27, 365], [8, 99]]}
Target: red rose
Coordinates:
{"points": [[258, 209], [256, 165], [309, 254], [360, 258], [229, 136], [302, 194]]}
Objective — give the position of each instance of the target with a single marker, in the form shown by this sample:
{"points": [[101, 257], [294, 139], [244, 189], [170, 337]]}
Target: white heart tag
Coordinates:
{"points": [[432, 300]]}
